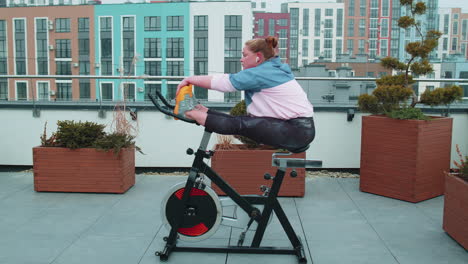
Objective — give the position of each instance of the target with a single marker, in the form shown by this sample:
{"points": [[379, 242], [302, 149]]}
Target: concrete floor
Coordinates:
{"points": [[337, 223]]}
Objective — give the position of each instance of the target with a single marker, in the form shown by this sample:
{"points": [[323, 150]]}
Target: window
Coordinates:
{"points": [[175, 68], [445, 43], [328, 12], [106, 24], [283, 33], [384, 28], [106, 48], [454, 44], [63, 48], [153, 68], [446, 23], [128, 23], [63, 67], [3, 90], [84, 67], [62, 25], [152, 48], [106, 92], [455, 28], [201, 67], [175, 48], [328, 23], [21, 91], [41, 25], [106, 68], [201, 22], [305, 47], [64, 91], [129, 91], [171, 91], [85, 90], [151, 88], [362, 27], [271, 27], [19, 25], [201, 47], [385, 8], [316, 47], [20, 67], [351, 7], [283, 22], [350, 27], [83, 46], [83, 24], [350, 46], [305, 22], [339, 22], [261, 27], [339, 46], [232, 47], [362, 8], [152, 23], [233, 22], [175, 23]]}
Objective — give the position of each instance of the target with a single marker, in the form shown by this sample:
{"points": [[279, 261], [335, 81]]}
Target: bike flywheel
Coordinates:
{"points": [[202, 213]]}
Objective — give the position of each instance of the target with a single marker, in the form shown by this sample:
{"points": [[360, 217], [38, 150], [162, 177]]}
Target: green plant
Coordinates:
{"points": [[462, 165], [393, 92], [73, 135], [240, 109], [115, 141]]}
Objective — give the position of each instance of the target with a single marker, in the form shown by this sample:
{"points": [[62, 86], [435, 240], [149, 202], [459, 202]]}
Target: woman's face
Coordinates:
{"points": [[249, 58]]}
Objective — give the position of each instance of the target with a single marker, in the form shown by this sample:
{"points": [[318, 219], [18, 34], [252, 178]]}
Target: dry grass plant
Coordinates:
{"points": [[225, 142], [120, 122]]}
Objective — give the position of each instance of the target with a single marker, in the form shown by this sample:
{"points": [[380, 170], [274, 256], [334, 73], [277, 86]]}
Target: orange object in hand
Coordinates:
{"points": [[184, 100]]}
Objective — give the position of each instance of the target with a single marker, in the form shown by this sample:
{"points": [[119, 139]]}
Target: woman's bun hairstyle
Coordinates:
{"points": [[272, 41], [266, 46]]}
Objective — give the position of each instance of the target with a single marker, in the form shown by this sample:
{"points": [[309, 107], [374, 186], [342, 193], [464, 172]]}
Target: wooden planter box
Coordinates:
{"points": [[83, 170], [244, 168], [456, 209], [405, 159]]}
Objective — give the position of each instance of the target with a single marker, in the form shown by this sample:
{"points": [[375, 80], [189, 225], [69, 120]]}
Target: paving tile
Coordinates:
{"points": [[93, 249], [23, 248]]}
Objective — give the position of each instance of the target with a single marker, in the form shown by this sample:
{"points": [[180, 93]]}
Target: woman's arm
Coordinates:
{"points": [[200, 81]]}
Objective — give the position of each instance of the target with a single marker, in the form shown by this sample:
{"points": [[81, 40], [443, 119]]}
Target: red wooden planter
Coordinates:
{"points": [[456, 209], [243, 169], [83, 170], [405, 159]]}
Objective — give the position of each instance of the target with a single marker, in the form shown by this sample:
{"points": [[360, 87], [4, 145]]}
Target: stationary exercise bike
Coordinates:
{"points": [[192, 211]]}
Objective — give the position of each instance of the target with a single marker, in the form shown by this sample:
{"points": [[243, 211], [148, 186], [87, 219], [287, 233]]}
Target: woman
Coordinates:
{"points": [[280, 115]]}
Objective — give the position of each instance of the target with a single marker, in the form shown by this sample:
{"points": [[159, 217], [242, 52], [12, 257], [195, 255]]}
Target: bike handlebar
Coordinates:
{"points": [[165, 110]]}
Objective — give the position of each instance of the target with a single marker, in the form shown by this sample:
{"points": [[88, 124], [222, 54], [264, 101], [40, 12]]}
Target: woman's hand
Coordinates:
{"points": [[183, 83]]}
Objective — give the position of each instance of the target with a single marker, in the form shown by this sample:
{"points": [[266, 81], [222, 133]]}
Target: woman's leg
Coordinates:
{"points": [[288, 134]]}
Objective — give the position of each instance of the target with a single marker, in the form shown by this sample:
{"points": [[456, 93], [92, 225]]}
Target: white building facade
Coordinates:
{"points": [[316, 31]]}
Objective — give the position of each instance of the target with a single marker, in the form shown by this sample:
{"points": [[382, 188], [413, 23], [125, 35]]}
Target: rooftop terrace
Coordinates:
{"points": [[337, 223]]}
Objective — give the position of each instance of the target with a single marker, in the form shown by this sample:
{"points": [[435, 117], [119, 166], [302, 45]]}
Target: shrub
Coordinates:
{"points": [[393, 92], [73, 135]]}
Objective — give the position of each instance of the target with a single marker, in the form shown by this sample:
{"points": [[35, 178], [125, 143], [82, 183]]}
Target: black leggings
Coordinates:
{"points": [[293, 134]]}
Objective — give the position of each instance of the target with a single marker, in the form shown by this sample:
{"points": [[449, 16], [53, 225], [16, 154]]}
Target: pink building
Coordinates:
{"points": [[274, 24]]}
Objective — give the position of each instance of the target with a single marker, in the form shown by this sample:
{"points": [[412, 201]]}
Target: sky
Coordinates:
{"points": [[442, 3]]}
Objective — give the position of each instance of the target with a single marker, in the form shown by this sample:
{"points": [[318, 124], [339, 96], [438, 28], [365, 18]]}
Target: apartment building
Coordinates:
{"points": [[274, 24], [453, 24], [52, 40], [147, 39], [316, 31]]}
